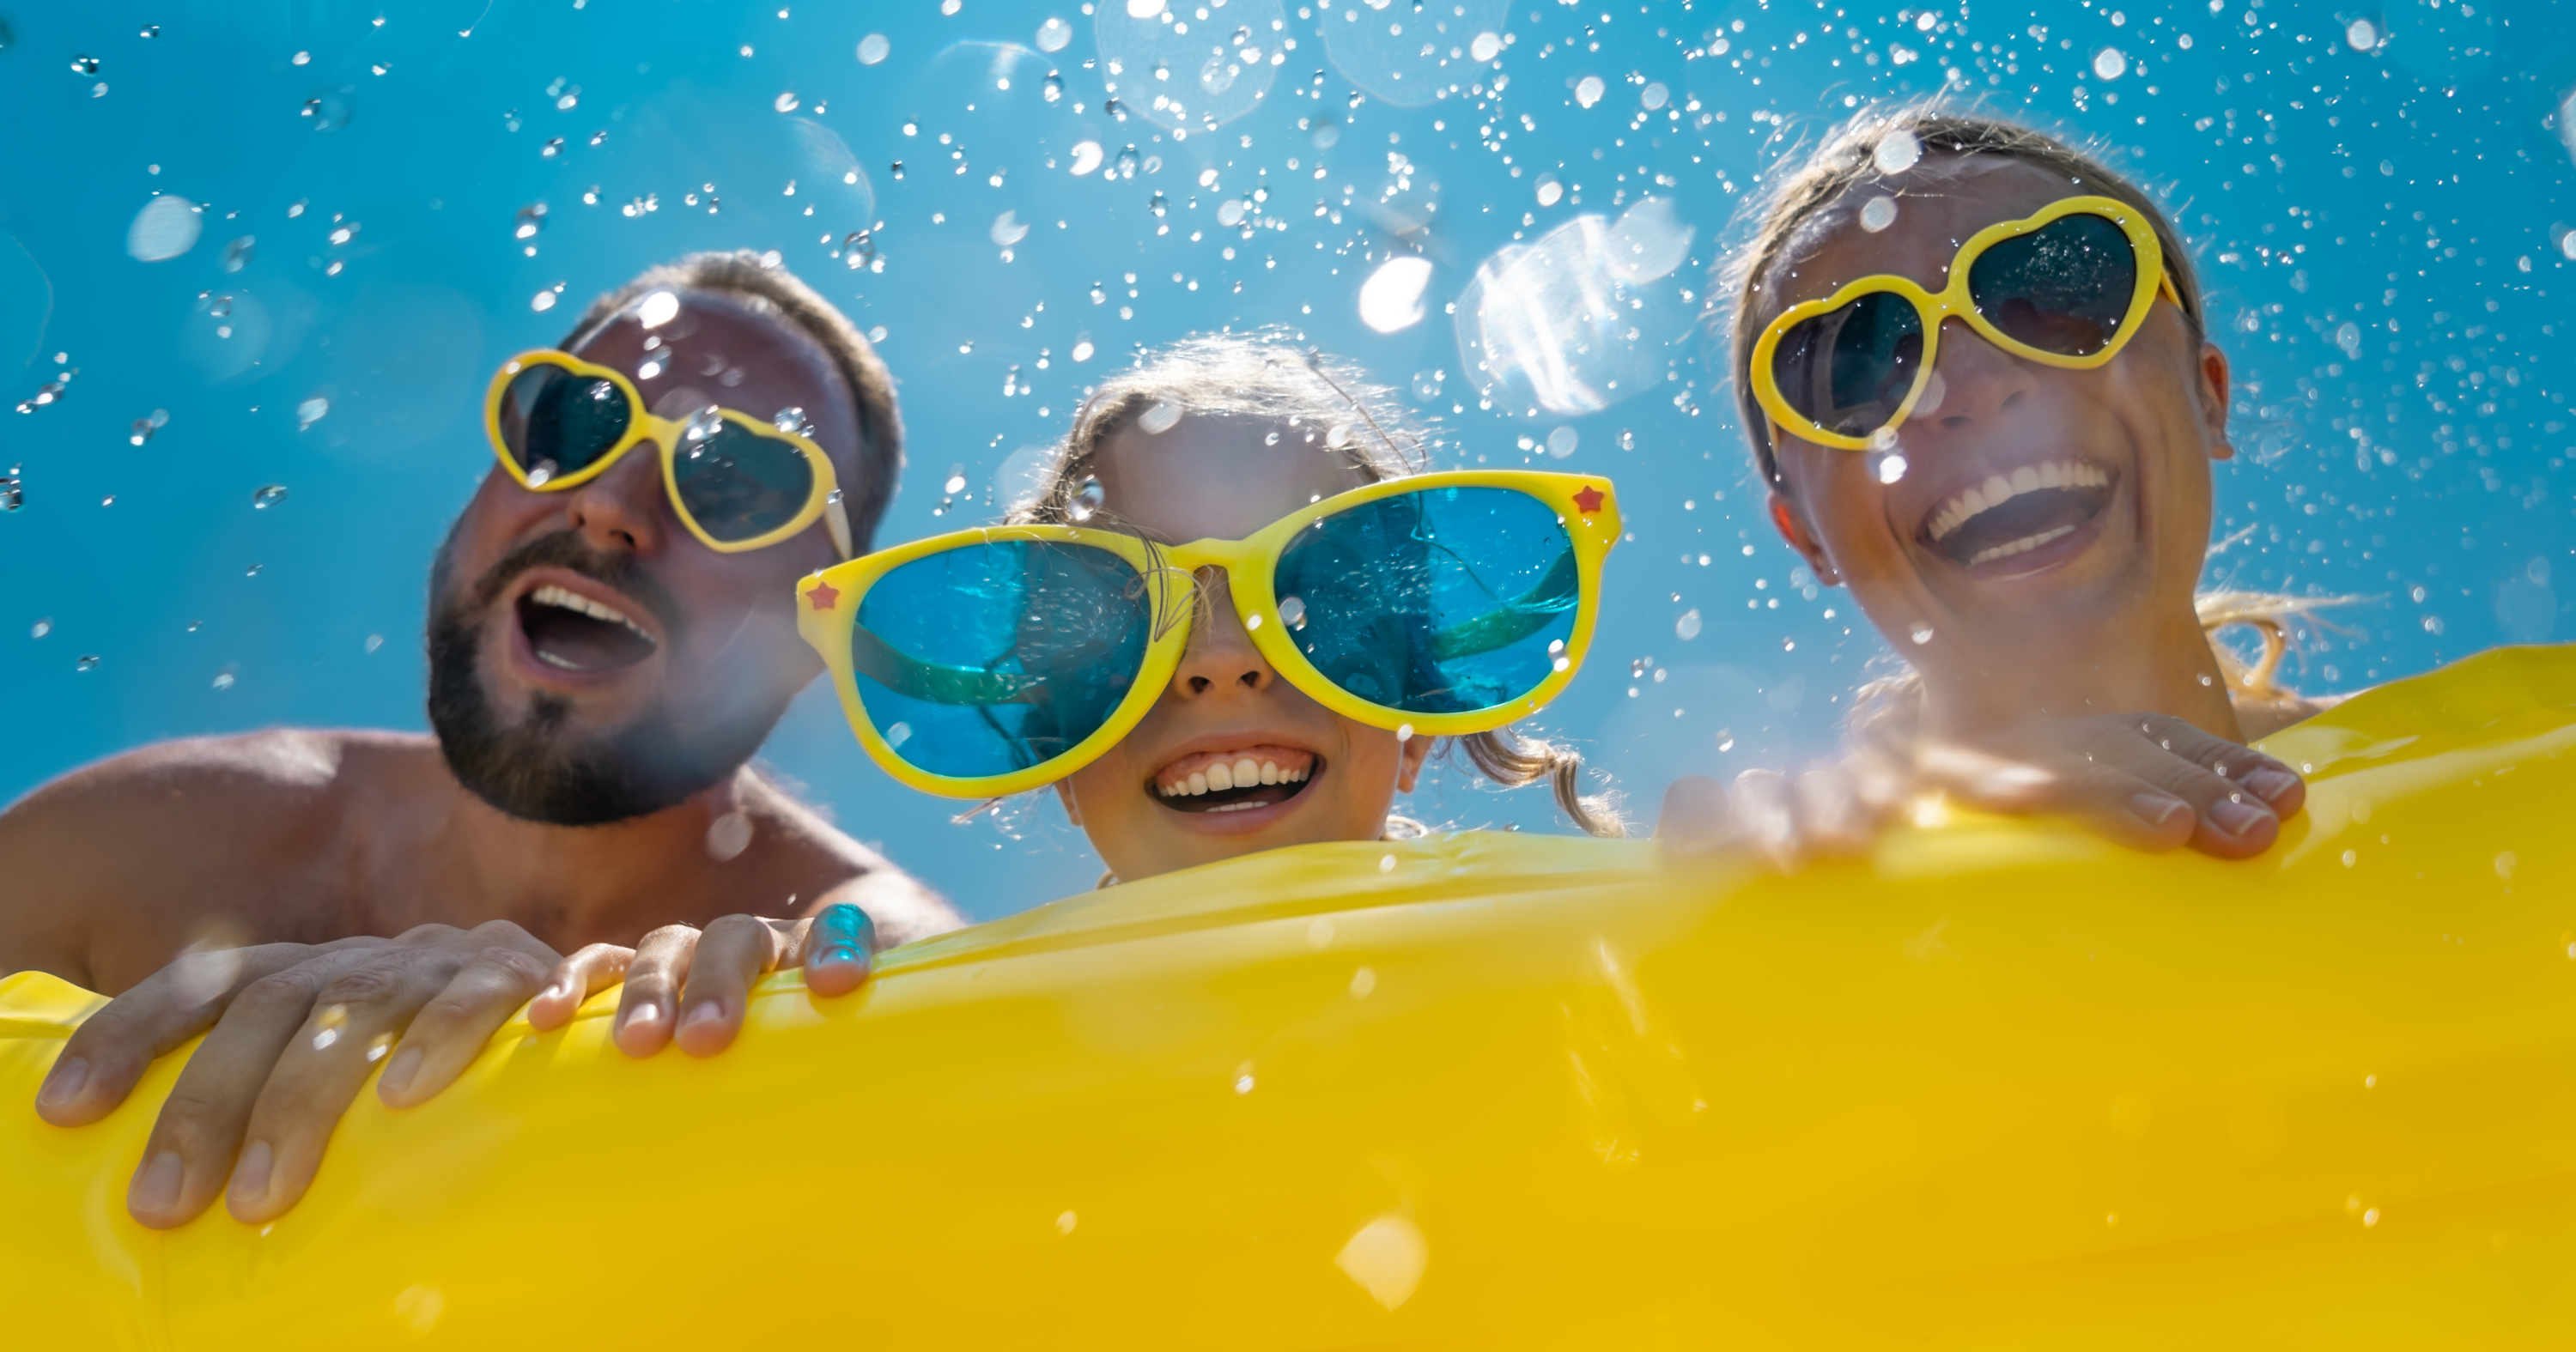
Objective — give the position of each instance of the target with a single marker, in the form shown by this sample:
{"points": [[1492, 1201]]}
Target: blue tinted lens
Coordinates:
{"points": [[556, 423], [996, 657], [1443, 601], [738, 484]]}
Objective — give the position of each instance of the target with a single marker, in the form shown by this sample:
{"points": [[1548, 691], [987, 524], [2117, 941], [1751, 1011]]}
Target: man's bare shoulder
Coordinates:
{"points": [[903, 907], [275, 767]]}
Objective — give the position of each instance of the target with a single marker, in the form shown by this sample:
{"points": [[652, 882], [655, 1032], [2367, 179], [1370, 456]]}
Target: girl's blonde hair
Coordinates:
{"points": [[1334, 407]]}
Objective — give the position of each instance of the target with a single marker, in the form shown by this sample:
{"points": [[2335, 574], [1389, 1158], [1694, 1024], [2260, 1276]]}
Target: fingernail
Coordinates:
{"points": [[2269, 784], [647, 1012], [706, 1011], [846, 926], [397, 1076], [2155, 809], [556, 992], [63, 1083], [156, 1184], [835, 956], [2236, 817], [250, 1176]]}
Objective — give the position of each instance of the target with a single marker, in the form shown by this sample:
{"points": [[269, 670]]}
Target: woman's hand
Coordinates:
{"points": [[2147, 781], [693, 986]]}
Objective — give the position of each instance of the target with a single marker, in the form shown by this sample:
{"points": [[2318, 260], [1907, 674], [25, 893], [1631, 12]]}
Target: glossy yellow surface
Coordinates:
{"points": [[1999, 1086]]}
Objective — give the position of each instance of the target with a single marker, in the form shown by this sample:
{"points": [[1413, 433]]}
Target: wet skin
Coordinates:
{"points": [[1218, 478], [2097, 619], [292, 842]]}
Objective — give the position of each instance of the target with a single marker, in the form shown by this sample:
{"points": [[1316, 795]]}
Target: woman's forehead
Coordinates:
{"points": [[1931, 209]]}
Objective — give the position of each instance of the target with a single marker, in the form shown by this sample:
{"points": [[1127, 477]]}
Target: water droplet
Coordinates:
{"points": [[13, 494], [1688, 626], [1654, 96], [1054, 34], [1156, 204], [1404, 732], [786, 102], [1588, 90], [86, 662], [2361, 35], [2348, 337], [311, 411], [145, 426], [1562, 441], [792, 421], [1292, 612], [1877, 214], [2109, 64], [41, 627], [1426, 384], [238, 254], [530, 220], [541, 473], [374, 641], [330, 112], [552, 148], [1922, 634], [1386, 863], [1125, 165], [1891, 468], [1082, 349], [1159, 417], [1086, 157], [1087, 497], [873, 49], [224, 679], [1897, 152], [85, 65], [1486, 47], [165, 228], [253, 570], [898, 734], [1550, 192], [704, 423], [1008, 229], [956, 483], [1052, 90], [859, 248]]}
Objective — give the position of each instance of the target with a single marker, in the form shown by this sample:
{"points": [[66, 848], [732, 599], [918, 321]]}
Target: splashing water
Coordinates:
{"points": [[1896, 152], [873, 49], [1581, 318], [267, 497], [1087, 498], [793, 422], [1159, 417]]}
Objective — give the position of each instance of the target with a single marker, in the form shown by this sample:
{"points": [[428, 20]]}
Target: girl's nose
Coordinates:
{"points": [[1220, 656]]}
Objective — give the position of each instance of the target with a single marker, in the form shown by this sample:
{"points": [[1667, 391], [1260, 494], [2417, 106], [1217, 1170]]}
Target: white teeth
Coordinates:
{"points": [[1270, 772], [1198, 784], [2021, 546], [1998, 490], [1246, 774], [1220, 776], [551, 595], [1243, 772]]}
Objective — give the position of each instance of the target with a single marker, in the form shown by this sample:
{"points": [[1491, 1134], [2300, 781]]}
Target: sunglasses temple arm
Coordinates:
{"points": [[837, 519]]}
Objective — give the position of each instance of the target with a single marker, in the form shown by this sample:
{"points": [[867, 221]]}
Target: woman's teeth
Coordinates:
{"points": [[2000, 489], [1242, 772], [2023, 545]]}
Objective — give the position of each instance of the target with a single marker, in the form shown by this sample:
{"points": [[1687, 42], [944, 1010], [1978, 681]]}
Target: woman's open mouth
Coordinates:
{"points": [[571, 632], [1235, 780], [2034, 506]]}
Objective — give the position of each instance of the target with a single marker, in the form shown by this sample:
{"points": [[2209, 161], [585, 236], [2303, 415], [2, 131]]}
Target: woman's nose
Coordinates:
{"points": [[1220, 655], [1973, 383]]}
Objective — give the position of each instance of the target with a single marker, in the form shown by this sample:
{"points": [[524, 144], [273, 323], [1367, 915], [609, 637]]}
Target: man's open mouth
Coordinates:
{"points": [[2014, 514], [1235, 780], [571, 632]]}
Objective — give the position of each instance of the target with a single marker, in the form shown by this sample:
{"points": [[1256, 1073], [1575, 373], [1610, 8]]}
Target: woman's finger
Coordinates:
{"points": [[838, 949], [2231, 820]]}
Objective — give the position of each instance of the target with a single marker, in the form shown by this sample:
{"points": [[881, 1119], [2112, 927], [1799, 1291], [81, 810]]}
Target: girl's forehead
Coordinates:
{"points": [[1910, 224], [1217, 476]]}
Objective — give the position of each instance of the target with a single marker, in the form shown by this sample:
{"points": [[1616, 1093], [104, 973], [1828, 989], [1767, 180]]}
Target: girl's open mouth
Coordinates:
{"points": [[1235, 780], [2007, 515]]}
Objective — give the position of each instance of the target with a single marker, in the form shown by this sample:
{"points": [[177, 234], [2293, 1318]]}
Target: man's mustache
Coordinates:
{"points": [[565, 549]]}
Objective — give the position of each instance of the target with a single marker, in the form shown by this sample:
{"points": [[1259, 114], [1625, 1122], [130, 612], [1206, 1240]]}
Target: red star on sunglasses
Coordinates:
{"points": [[823, 594], [1589, 500]]}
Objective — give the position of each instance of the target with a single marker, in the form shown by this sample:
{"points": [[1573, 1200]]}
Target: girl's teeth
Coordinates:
{"points": [[1246, 774], [1219, 776], [1242, 772], [1198, 784]]}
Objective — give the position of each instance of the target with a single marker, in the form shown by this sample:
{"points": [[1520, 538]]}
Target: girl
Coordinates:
{"points": [[1972, 364]]}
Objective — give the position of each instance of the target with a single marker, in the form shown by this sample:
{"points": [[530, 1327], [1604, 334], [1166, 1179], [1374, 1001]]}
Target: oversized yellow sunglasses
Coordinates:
{"points": [[737, 481], [990, 661], [2067, 287]]}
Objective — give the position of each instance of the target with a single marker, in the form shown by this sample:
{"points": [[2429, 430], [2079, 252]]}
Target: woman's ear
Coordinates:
{"points": [[2215, 394], [1064, 795], [1408, 764], [1793, 527]]}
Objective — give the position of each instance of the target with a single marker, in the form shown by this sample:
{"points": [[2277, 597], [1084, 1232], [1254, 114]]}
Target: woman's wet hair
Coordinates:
{"points": [[1335, 408], [1796, 195]]}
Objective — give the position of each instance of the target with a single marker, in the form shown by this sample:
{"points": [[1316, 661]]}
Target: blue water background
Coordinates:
{"points": [[2407, 179]]}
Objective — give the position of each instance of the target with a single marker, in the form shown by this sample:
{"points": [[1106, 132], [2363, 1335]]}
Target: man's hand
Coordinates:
{"points": [[693, 986], [2148, 781], [296, 1029]]}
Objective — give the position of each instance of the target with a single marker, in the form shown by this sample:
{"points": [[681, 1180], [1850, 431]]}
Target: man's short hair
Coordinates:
{"points": [[766, 288]]}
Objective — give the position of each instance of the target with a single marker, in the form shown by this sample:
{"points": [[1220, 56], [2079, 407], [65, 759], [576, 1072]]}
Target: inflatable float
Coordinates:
{"points": [[1999, 1085]]}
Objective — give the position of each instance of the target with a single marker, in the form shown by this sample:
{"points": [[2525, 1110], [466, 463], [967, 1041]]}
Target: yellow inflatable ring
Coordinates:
{"points": [[2000, 1085]]}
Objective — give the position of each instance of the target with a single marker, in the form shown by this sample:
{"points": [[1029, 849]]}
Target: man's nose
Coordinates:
{"points": [[1973, 384], [625, 508], [1220, 657]]}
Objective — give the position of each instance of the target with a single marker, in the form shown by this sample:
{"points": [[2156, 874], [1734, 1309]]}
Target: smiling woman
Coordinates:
{"points": [[1980, 392]]}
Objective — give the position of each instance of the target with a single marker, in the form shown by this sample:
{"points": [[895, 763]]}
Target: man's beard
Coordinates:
{"points": [[539, 769]]}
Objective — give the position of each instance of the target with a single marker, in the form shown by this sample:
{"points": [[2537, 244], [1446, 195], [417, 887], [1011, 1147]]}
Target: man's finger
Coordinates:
{"points": [[732, 953], [105, 1057], [838, 949], [190, 1153], [574, 980], [1695, 818], [356, 1016], [646, 1011], [448, 1032]]}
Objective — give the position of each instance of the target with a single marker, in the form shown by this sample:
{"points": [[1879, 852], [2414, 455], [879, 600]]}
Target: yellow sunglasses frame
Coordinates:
{"points": [[1952, 302], [828, 606], [643, 426]]}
